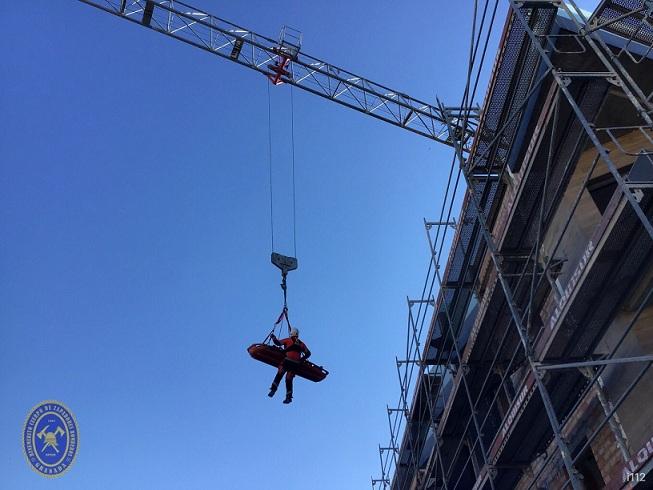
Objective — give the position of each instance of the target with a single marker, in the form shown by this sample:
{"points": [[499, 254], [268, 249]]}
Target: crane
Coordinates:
{"points": [[282, 61]]}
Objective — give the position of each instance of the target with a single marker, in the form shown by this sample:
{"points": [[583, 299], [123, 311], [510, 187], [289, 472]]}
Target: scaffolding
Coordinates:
{"points": [[527, 355]]}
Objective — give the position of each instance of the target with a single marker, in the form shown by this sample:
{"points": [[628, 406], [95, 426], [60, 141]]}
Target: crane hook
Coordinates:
{"points": [[286, 264]]}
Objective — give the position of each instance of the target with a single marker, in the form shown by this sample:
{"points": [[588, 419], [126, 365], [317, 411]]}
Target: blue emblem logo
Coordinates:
{"points": [[50, 438]]}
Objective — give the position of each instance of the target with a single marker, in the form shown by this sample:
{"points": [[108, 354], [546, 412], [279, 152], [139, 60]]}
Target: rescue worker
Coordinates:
{"points": [[296, 352]]}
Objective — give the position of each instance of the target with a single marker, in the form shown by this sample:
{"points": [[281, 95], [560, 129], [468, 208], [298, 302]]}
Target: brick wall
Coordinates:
{"points": [[607, 454]]}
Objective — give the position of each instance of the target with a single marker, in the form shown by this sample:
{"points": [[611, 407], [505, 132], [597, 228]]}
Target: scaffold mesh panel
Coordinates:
{"points": [[634, 26], [519, 63]]}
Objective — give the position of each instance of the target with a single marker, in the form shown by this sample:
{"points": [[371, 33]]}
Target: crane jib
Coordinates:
{"points": [[282, 62]]}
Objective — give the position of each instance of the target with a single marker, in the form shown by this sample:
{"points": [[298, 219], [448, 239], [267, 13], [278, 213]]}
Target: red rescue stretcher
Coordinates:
{"points": [[275, 356]]}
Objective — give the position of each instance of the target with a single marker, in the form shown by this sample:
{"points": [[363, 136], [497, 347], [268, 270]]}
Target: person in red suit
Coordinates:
{"points": [[296, 352]]}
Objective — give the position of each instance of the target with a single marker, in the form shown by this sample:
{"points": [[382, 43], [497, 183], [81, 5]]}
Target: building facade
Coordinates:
{"points": [[533, 368]]}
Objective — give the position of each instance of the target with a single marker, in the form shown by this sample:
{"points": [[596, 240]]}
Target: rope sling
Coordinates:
{"points": [[284, 311], [265, 351]]}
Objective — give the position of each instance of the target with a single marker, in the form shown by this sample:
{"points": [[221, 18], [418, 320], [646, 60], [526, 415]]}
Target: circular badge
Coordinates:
{"points": [[50, 438]]}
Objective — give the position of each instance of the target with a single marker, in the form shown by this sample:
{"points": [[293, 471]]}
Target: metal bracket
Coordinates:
{"points": [[385, 481], [638, 194], [399, 363], [429, 302], [431, 224], [392, 448]]}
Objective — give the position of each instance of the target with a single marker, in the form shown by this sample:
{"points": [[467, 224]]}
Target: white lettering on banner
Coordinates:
{"points": [[642, 456], [573, 280], [515, 408]]}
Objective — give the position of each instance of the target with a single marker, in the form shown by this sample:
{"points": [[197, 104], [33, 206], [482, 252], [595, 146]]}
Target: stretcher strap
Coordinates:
{"points": [[284, 314]]}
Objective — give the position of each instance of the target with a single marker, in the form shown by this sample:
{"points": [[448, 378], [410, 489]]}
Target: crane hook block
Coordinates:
{"points": [[286, 264]]}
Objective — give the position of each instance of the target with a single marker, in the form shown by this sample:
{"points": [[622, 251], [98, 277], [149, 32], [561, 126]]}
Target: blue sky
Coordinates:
{"points": [[134, 204]]}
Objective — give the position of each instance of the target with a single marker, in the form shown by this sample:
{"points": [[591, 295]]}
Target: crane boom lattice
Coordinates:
{"points": [[284, 64]]}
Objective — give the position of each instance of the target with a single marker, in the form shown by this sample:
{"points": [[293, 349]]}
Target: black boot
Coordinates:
{"points": [[289, 378], [275, 382]]}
